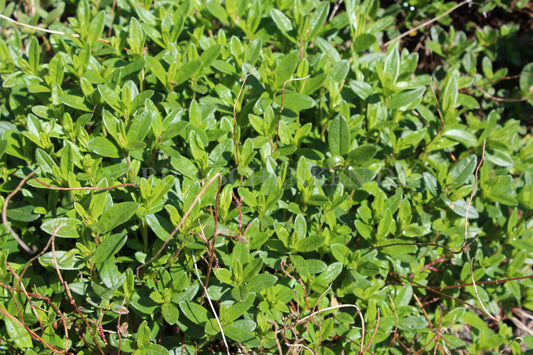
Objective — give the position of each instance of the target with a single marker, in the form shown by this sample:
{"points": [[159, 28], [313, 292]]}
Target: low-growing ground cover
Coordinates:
{"points": [[265, 177]]}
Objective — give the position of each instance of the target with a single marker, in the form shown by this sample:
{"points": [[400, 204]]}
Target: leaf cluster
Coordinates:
{"points": [[261, 176]]}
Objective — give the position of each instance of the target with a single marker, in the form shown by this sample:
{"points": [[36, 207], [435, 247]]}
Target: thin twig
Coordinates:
{"points": [[69, 294], [303, 320], [477, 294], [36, 28], [112, 18], [276, 331], [30, 262], [430, 21], [500, 99], [49, 301], [46, 30], [4, 215], [119, 327], [441, 293], [301, 346], [31, 332], [282, 263], [19, 282], [373, 334], [210, 303], [483, 282], [197, 198]]}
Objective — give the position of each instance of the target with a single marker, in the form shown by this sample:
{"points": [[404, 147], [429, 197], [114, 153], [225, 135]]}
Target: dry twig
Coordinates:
{"points": [[210, 304], [176, 229], [4, 214]]}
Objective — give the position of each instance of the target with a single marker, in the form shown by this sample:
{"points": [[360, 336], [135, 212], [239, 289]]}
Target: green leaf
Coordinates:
{"points": [[285, 69], [392, 65], [224, 67], [341, 253], [281, 20], [407, 99], [300, 227], [161, 189], [185, 72], [526, 80], [143, 335], [339, 136], [228, 315], [500, 158], [361, 89], [109, 247], [76, 102], [223, 275], [430, 182], [460, 207], [140, 126], [324, 280], [463, 170], [170, 313], [116, 215], [311, 243], [46, 163], [109, 274], [362, 154], [384, 225], [217, 11], [413, 323], [241, 336], [502, 197], [194, 312], [317, 20], [295, 101], [317, 200], [69, 227], [96, 28], [449, 96], [110, 96], [65, 260], [184, 166], [157, 69], [363, 42], [209, 55], [356, 178], [103, 146], [17, 333], [156, 349], [462, 136], [260, 282]]}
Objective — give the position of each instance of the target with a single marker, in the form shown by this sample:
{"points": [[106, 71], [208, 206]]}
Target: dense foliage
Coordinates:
{"points": [[264, 176]]}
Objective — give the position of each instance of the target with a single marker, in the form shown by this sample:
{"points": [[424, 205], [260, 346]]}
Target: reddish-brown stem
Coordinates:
{"points": [[32, 306], [183, 219], [32, 333], [69, 294], [500, 99], [4, 215], [483, 282], [373, 334], [112, 17]]}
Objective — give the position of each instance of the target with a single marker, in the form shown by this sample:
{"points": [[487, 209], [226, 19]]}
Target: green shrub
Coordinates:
{"points": [[262, 176]]}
